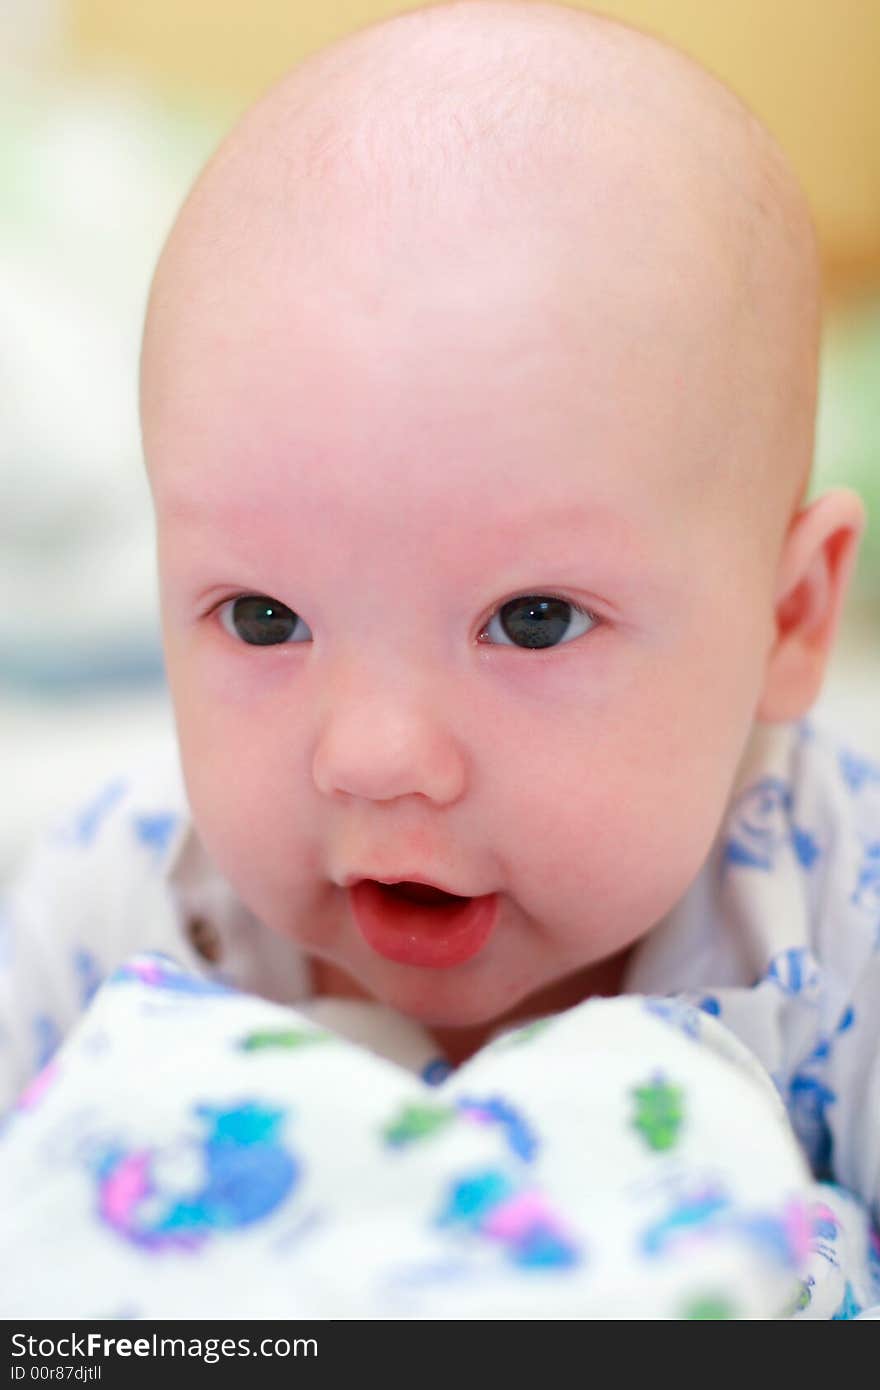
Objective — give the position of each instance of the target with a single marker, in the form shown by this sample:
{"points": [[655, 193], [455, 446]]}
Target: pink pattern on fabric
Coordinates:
{"points": [[517, 1216], [34, 1092], [121, 1191], [799, 1228]]}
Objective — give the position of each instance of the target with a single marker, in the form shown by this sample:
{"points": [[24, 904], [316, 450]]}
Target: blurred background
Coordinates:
{"points": [[107, 112]]}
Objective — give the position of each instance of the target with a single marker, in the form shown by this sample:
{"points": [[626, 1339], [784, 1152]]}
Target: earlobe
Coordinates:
{"points": [[816, 564]]}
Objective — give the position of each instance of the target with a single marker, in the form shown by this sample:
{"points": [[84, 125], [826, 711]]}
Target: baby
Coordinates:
{"points": [[478, 393], [478, 396]]}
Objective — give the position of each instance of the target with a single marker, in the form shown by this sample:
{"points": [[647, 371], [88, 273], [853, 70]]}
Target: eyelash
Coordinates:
{"points": [[577, 609]]}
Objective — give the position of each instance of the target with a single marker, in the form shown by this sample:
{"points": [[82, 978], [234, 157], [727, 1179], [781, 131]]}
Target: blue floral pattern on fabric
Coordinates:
{"points": [[795, 972], [856, 770], [88, 973], [83, 829], [867, 889], [761, 826], [155, 832], [47, 1039], [246, 1173]]}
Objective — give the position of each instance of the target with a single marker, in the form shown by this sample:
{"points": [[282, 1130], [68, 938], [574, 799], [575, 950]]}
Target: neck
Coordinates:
{"points": [[459, 1044], [602, 980]]}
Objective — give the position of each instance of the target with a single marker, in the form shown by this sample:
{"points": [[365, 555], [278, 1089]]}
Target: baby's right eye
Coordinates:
{"points": [[260, 621]]}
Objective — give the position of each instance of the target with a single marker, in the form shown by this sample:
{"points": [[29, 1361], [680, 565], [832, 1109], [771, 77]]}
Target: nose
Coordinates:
{"points": [[381, 748]]}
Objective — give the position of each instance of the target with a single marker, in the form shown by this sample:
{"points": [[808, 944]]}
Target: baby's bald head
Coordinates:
{"points": [[640, 195], [492, 328]]}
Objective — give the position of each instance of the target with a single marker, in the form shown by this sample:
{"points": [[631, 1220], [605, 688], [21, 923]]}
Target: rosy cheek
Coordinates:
{"points": [[227, 674]]}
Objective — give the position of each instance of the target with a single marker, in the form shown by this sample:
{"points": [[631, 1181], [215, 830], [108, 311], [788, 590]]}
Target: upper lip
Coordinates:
{"points": [[357, 877]]}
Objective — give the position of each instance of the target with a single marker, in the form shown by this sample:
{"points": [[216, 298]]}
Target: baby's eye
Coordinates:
{"points": [[260, 621], [539, 620]]}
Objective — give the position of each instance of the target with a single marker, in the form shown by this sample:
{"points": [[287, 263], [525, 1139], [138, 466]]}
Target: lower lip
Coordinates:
{"points": [[411, 934]]}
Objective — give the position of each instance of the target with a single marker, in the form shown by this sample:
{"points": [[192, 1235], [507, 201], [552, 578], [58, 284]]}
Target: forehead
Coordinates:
{"points": [[446, 381]]}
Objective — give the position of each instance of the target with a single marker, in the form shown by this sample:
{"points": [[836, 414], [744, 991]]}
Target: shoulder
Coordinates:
{"points": [[825, 751], [836, 789], [92, 891], [142, 805], [801, 865], [834, 818], [108, 841], [800, 853], [807, 787]]}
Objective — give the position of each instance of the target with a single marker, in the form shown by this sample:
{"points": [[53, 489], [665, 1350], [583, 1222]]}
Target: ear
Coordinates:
{"points": [[817, 560]]}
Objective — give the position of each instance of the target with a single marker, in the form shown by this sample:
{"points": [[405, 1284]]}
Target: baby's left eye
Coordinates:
{"points": [[539, 620], [260, 621]]}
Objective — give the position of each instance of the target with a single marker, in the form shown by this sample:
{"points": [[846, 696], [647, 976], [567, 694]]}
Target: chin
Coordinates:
{"points": [[449, 1002], [462, 1003]]}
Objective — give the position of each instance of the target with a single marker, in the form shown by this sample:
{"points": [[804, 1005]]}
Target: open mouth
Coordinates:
{"points": [[416, 924], [421, 893]]}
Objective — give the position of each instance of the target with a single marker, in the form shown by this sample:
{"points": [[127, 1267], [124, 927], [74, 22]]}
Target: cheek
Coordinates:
{"points": [[613, 817], [243, 768]]}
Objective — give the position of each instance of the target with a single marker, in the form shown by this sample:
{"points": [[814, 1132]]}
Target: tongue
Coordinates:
{"points": [[421, 893]]}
